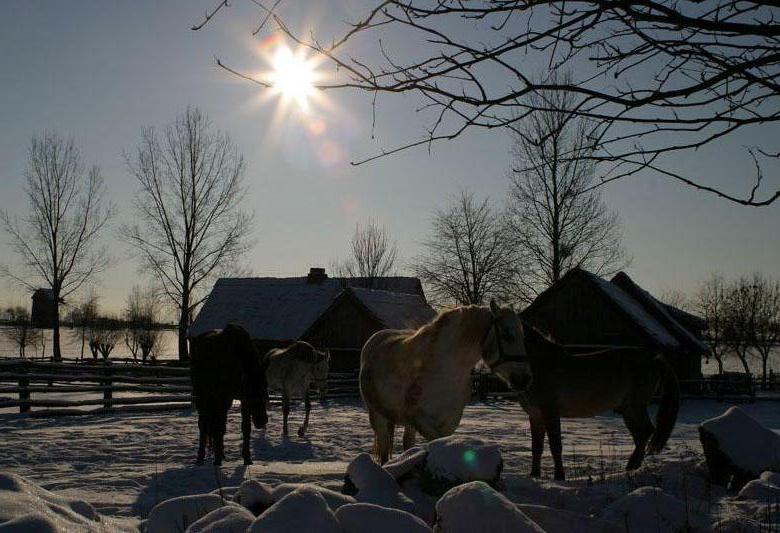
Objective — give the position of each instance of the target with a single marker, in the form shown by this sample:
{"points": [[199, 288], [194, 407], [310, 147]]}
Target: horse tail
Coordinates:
{"points": [[668, 407]]}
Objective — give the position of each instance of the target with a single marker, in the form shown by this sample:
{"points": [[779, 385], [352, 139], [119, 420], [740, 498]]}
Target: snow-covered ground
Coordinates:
{"points": [[126, 463]]}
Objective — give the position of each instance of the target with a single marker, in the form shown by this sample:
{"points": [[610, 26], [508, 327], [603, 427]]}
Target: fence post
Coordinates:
{"points": [[24, 392], [108, 392]]}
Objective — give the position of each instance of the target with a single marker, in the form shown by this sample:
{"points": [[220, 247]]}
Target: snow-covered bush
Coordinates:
{"points": [[375, 485], [476, 506], [369, 518], [25, 506], [177, 514], [649, 509], [304, 509], [227, 519], [738, 448], [254, 495]]}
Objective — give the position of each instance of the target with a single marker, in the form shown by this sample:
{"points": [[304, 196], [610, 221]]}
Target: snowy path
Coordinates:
{"points": [[124, 464]]}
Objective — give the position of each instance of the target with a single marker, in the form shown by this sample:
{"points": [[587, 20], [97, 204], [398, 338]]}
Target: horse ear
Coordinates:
{"points": [[494, 307]]}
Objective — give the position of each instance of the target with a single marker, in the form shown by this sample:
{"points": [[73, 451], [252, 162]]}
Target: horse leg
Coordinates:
{"points": [[409, 436], [246, 433], [305, 425], [383, 436], [641, 427], [553, 428], [537, 445], [218, 436], [285, 413], [203, 430]]}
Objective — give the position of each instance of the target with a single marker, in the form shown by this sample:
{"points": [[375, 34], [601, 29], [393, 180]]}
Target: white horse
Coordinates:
{"points": [[291, 371], [422, 379]]}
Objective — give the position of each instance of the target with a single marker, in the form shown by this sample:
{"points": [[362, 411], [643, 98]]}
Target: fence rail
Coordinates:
{"points": [[155, 387]]}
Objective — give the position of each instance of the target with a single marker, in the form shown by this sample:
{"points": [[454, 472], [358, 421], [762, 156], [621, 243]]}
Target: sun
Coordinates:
{"points": [[293, 76]]}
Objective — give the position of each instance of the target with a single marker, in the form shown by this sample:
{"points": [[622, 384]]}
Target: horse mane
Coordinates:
{"points": [[443, 320], [534, 335]]}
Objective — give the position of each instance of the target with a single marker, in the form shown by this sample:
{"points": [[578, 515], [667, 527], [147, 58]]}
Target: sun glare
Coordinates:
{"points": [[293, 76]]}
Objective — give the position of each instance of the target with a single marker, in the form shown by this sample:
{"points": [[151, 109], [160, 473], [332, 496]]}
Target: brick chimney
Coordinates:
{"points": [[316, 276]]}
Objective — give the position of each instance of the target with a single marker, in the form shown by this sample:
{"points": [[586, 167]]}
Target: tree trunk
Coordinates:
{"points": [[720, 364], [184, 323], [56, 352]]}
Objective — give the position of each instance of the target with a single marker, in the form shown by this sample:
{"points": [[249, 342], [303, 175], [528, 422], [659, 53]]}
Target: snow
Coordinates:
{"points": [[279, 308], [649, 510], [122, 465], [461, 459], [765, 489], [476, 503], [651, 326], [334, 499], [369, 518], [25, 507], [748, 444], [177, 514], [304, 509], [228, 519], [254, 495], [376, 485], [396, 310]]}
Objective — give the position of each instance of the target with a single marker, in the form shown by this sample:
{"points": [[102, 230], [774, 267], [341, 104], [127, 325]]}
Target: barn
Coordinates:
{"points": [[338, 314], [586, 312]]}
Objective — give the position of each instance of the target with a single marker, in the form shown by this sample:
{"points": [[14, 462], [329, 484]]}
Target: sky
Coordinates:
{"points": [[101, 71]]}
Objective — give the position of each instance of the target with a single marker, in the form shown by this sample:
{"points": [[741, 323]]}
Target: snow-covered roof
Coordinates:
{"points": [[395, 310], [280, 308], [660, 311], [629, 305]]}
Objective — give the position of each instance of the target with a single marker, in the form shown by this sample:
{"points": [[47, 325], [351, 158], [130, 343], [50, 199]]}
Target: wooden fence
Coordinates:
{"points": [[28, 384]]}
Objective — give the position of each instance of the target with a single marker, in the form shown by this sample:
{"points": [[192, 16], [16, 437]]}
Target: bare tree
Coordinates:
{"points": [[558, 220], [373, 252], [767, 328], [656, 78], [103, 336], [142, 335], [711, 303], [741, 315], [57, 240], [81, 318], [466, 259], [20, 330], [190, 223]]}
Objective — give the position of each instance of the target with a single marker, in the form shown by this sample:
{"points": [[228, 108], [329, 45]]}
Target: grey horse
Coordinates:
{"points": [[291, 371]]}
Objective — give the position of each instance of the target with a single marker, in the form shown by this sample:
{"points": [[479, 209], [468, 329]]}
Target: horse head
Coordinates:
{"points": [[503, 349], [255, 387]]}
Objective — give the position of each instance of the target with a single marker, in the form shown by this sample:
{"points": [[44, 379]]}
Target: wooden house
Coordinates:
{"points": [[338, 314], [586, 312], [42, 315]]}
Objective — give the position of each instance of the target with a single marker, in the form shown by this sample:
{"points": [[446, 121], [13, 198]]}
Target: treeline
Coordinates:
{"points": [[139, 327], [743, 318]]}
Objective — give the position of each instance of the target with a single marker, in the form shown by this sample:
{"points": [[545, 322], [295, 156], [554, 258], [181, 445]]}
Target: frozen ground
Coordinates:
{"points": [[124, 464]]}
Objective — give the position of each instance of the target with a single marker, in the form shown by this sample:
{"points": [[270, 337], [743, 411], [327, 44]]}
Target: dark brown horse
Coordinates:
{"points": [[617, 379], [225, 366]]}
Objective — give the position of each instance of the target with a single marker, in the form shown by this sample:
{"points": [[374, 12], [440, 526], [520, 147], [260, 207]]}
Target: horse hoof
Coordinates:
{"points": [[248, 461], [301, 433]]}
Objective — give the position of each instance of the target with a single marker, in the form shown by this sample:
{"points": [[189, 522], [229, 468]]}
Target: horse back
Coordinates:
{"points": [[595, 382]]}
